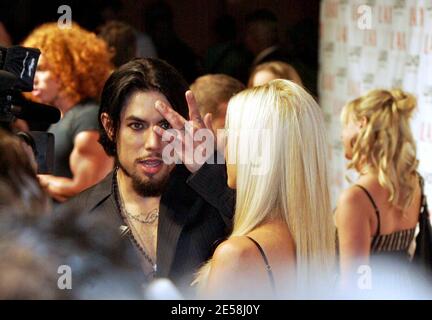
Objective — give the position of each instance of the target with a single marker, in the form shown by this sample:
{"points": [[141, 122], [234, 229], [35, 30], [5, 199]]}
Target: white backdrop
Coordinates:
{"points": [[376, 44]]}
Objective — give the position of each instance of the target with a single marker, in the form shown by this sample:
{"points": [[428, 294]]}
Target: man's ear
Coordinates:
{"points": [[222, 108], [108, 125]]}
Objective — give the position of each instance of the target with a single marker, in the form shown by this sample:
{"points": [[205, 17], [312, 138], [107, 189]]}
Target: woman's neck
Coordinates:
{"points": [[367, 170], [64, 104], [275, 218]]}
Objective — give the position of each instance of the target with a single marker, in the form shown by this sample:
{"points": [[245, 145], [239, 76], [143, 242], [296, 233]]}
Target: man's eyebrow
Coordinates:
{"points": [[135, 118]]}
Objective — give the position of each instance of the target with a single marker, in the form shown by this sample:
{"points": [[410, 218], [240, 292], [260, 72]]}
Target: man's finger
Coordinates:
{"points": [[175, 120], [194, 114], [165, 134]]}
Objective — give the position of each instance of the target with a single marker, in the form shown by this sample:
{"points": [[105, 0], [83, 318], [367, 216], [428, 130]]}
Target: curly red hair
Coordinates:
{"points": [[76, 56]]}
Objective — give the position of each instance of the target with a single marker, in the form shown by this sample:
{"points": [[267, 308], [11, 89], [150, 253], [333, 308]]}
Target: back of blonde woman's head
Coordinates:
{"points": [[279, 69], [385, 143], [277, 141]]}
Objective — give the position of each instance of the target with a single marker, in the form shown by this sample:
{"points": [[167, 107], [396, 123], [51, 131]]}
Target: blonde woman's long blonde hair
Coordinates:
{"points": [[385, 144], [281, 126]]}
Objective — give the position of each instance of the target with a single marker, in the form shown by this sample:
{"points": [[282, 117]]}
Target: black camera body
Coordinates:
{"points": [[17, 70], [21, 63]]}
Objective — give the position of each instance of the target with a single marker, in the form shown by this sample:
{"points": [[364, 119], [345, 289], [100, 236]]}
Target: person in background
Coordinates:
{"points": [[121, 40], [37, 252], [72, 69], [159, 24], [377, 216], [5, 39], [29, 145], [35, 244], [272, 70], [20, 190], [226, 55], [167, 210], [212, 93], [283, 225], [262, 37], [114, 10]]}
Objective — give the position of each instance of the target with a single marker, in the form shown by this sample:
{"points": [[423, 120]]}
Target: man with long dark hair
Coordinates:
{"points": [[173, 213]]}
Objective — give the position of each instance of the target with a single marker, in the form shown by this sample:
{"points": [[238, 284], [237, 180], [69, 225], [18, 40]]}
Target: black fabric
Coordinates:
{"points": [[210, 182], [82, 117], [423, 253], [190, 220]]}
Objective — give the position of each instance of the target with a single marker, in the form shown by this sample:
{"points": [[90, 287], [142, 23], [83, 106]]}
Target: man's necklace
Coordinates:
{"points": [[153, 215], [149, 218]]}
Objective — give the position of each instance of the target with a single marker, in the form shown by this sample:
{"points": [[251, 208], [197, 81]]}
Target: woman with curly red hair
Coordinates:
{"points": [[71, 72]]}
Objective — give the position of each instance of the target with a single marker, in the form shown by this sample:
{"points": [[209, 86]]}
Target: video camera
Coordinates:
{"points": [[17, 70]]}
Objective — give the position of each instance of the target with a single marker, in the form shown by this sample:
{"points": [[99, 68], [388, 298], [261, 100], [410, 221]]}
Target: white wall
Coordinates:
{"points": [[385, 44]]}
